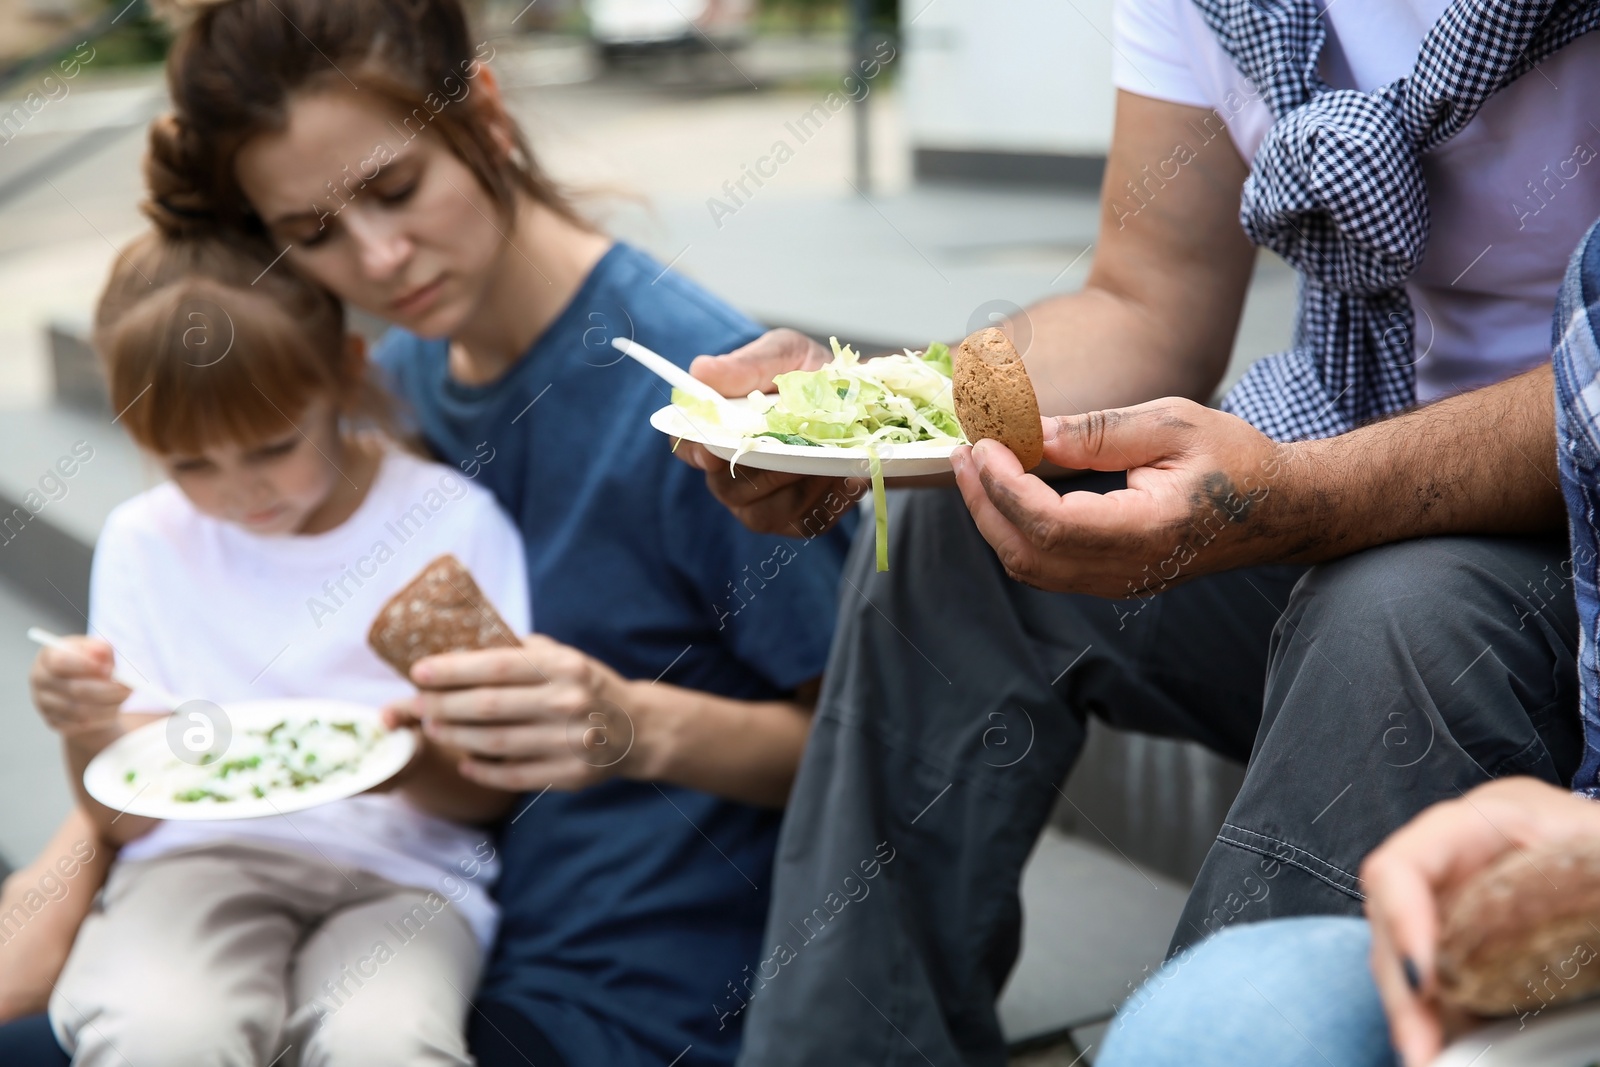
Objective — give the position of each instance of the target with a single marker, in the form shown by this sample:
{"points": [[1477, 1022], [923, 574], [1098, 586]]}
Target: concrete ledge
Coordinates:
{"points": [[44, 561], [1159, 802], [78, 381], [64, 472], [1094, 925], [1078, 173], [34, 792]]}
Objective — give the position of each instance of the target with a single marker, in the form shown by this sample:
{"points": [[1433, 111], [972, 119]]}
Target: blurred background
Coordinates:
{"points": [[942, 169]]}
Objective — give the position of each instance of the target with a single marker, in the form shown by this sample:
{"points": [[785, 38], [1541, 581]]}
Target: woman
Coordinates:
{"points": [[656, 721]]}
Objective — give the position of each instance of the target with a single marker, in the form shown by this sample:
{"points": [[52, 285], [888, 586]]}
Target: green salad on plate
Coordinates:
{"points": [[871, 404]]}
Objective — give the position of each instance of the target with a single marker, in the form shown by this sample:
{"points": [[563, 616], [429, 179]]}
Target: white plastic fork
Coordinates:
{"points": [[677, 377], [41, 636]]}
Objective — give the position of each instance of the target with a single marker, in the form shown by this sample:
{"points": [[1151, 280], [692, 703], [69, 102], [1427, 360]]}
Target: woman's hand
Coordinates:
{"points": [[542, 714], [546, 715], [765, 501], [73, 690], [1407, 876]]}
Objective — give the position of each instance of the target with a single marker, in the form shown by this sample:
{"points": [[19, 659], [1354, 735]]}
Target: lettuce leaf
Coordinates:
{"points": [[852, 402]]}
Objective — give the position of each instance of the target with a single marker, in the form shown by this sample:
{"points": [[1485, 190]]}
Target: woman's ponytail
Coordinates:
{"points": [[175, 181]]}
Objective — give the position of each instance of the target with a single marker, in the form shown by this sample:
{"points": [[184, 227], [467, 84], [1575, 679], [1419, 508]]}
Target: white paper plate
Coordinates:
{"points": [[147, 752], [899, 461]]}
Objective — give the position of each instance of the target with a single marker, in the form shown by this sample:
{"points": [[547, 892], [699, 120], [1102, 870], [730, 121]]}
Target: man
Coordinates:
{"points": [[1340, 684], [1301, 990]]}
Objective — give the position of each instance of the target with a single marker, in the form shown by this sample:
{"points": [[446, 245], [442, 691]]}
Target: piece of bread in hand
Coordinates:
{"points": [[440, 610], [994, 398], [1523, 933]]}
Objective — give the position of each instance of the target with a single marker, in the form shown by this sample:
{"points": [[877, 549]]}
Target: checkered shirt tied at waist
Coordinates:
{"points": [[1336, 189]]}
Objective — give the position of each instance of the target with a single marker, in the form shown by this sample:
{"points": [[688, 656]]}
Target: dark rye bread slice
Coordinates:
{"points": [[1524, 932], [994, 398], [440, 610]]}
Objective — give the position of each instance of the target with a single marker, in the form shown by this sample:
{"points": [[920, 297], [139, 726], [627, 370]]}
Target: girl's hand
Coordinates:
{"points": [[73, 690], [1407, 876], [543, 714]]}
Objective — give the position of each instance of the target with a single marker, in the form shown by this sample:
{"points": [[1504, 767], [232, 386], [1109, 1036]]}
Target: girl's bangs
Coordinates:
{"points": [[199, 365]]}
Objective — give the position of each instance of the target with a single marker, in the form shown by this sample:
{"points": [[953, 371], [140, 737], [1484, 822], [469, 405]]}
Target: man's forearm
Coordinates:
{"points": [[1159, 311], [1097, 349], [1483, 462]]}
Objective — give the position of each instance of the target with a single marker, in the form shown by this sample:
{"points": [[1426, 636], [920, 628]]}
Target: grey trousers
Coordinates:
{"points": [[956, 701]]}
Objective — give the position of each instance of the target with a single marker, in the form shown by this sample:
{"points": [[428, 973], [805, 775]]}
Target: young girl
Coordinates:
{"points": [[349, 933]]}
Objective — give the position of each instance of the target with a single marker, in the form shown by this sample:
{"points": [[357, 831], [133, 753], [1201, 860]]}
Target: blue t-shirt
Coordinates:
{"points": [[629, 907]]}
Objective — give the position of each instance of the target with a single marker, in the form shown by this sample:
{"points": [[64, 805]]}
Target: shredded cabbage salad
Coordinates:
{"points": [[851, 403], [288, 756]]}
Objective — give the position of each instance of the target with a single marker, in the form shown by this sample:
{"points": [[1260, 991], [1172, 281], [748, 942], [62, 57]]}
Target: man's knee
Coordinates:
{"points": [[1438, 635], [1420, 581], [1443, 595]]}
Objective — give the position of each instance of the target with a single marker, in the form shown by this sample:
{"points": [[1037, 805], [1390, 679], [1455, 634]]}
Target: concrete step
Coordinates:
{"points": [[34, 793], [64, 471], [1094, 926], [1157, 802]]}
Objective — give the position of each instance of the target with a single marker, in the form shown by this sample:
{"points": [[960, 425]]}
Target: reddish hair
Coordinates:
{"points": [[203, 344], [235, 64]]}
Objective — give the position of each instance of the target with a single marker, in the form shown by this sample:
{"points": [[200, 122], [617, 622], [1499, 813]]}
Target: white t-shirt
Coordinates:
{"points": [[206, 609], [1510, 194]]}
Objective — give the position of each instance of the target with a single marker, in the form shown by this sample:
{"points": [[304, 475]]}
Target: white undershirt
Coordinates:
{"points": [[206, 609], [1485, 291]]}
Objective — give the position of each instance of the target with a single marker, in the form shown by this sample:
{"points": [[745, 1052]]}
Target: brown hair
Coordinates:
{"points": [[204, 344], [236, 63]]}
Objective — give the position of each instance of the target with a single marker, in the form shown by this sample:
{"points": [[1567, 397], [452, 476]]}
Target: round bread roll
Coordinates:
{"points": [[442, 609], [994, 398], [1521, 934]]}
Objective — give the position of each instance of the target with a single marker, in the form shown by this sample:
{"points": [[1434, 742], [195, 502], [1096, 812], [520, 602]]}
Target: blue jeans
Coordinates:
{"points": [[1273, 994]]}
